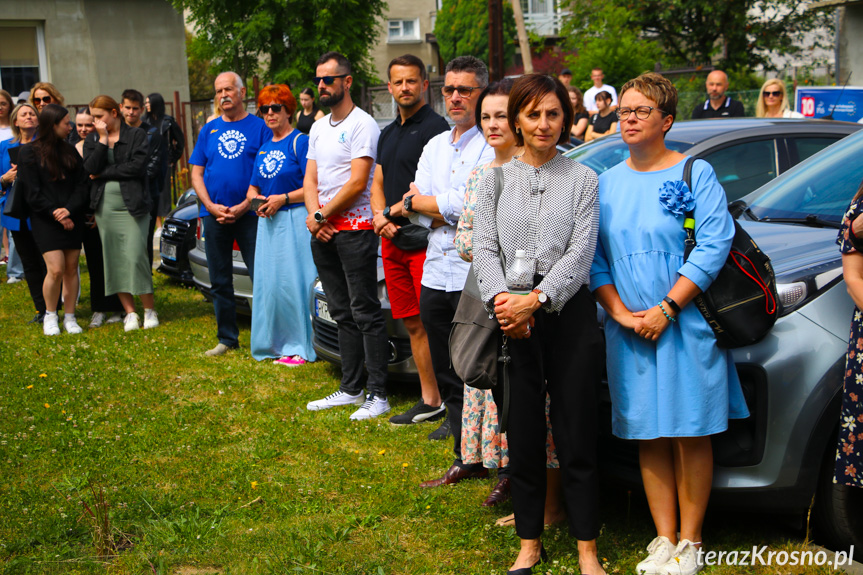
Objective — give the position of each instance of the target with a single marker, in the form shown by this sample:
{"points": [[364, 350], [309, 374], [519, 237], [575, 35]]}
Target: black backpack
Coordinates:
{"points": [[741, 303]]}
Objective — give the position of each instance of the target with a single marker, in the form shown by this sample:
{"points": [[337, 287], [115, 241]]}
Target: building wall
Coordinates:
{"points": [[850, 46], [105, 46], [384, 51]]}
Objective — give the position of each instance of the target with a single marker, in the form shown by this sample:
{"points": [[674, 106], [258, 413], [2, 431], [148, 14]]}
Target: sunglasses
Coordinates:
{"points": [[463, 91], [328, 80], [276, 108], [775, 94], [46, 100]]}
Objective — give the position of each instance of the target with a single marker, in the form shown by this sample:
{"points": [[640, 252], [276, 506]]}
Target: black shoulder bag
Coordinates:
{"points": [[741, 303], [476, 352]]}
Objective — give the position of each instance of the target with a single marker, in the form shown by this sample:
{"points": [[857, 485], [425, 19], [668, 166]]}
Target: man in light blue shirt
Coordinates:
{"points": [[435, 201]]}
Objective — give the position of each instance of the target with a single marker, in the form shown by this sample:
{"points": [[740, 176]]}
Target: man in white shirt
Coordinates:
{"points": [[337, 189], [597, 77], [435, 201]]}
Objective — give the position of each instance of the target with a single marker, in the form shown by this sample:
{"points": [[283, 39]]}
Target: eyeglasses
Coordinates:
{"points": [[276, 108], [328, 80], [641, 112], [46, 100], [775, 94], [463, 91]]}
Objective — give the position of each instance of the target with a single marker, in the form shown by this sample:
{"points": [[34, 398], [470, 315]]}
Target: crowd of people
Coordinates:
{"points": [[305, 194], [97, 183]]}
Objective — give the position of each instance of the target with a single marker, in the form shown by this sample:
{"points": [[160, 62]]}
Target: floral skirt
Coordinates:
{"points": [[849, 455], [480, 440]]}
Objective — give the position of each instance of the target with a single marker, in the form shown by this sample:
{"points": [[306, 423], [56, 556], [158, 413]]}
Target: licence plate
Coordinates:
{"points": [[168, 251], [323, 311]]}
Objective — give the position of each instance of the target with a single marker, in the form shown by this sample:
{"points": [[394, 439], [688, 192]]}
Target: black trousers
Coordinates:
{"points": [[34, 265], [564, 356], [96, 267], [437, 308]]}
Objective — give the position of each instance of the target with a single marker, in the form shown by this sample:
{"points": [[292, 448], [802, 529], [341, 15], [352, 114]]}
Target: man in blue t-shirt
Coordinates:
{"points": [[222, 164]]}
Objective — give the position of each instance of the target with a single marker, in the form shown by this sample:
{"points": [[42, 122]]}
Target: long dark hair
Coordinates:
{"points": [[311, 93], [53, 152], [499, 88], [157, 109]]}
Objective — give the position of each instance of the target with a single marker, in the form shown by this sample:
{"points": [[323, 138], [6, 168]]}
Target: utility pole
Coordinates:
{"points": [[526, 56], [495, 40]]}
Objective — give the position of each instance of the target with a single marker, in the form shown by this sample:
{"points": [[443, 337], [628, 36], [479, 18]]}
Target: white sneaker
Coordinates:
{"points": [[97, 320], [13, 280], [684, 561], [659, 552], [334, 400], [114, 318], [150, 319], [70, 324], [372, 407], [50, 325], [132, 322]]}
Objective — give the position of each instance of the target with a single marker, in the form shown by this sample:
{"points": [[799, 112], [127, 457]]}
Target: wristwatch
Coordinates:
{"points": [[386, 213], [541, 297], [409, 202], [319, 217]]}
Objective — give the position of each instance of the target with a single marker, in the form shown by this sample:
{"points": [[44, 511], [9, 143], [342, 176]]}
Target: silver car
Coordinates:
{"points": [[201, 274]]}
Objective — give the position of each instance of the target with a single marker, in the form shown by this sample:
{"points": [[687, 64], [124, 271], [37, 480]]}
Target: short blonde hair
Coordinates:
{"points": [[760, 108], [657, 88], [56, 96]]}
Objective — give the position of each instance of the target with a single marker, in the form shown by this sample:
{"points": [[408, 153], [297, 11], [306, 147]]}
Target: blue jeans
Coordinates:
{"points": [[14, 267], [348, 268], [219, 247]]}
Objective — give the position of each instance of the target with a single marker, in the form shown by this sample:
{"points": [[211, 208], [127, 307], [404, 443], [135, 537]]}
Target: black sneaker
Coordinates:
{"points": [[441, 432], [419, 413], [37, 318]]}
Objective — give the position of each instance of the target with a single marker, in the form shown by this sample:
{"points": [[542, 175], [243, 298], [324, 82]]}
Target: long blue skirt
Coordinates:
{"points": [[284, 272]]}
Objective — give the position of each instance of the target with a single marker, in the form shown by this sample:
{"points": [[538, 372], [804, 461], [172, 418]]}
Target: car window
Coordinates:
{"points": [[822, 186], [744, 167], [608, 152], [807, 147]]}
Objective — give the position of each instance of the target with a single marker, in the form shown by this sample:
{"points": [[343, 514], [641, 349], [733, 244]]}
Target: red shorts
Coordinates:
{"points": [[403, 272]]}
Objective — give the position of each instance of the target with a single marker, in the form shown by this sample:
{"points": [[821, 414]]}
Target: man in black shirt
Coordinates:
{"points": [[718, 105], [403, 245]]}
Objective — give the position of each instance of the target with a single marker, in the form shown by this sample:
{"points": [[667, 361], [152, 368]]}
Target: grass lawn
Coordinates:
{"points": [[192, 465]]}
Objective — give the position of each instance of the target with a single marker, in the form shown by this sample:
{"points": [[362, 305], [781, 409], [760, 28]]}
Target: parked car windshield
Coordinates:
{"points": [[606, 153], [821, 187]]}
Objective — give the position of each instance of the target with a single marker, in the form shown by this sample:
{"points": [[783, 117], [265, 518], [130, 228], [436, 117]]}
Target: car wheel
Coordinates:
{"points": [[836, 515]]}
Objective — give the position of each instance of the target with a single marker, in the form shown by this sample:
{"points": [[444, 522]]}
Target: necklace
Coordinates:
{"points": [[343, 119]]}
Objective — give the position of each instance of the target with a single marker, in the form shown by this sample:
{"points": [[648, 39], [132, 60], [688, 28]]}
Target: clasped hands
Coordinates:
{"points": [[62, 217], [271, 204], [515, 313], [649, 323], [228, 215]]}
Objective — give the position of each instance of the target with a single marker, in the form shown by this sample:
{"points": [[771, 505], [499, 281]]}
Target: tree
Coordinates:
{"points": [[200, 78], [283, 38], [603, 35], [461, 29], [737, 34]]}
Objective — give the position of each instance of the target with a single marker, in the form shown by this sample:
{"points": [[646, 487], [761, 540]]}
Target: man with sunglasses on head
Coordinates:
{"points": [[717, 104], [436, 200], [337, 188], [222, 164]]}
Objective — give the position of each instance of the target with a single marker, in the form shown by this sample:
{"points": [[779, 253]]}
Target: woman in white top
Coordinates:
{"points": [[773, 102]]}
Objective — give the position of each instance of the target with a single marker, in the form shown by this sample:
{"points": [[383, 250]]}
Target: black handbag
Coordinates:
{"points": [[478, 349], [411, 237], [16, 205], [741, 303]]}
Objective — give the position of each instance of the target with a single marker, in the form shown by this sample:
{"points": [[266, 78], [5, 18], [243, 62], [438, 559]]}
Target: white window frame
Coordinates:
{"points": [[44, 75], [402, 39]]}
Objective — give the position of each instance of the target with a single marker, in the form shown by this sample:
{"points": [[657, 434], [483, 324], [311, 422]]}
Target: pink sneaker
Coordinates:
{"points": [[292, 361]]}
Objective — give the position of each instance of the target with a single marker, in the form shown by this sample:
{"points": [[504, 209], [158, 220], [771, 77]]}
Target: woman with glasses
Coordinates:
{"points": [[310, 113], [671, 387], [44, 93], [284, 269], [115, 157], [55, 186], [548, 209], [603, 122], [6, 107], [773, 102]]}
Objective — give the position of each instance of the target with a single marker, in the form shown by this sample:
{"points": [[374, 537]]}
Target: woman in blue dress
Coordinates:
{"points": [[671, 386], [284, 269]]}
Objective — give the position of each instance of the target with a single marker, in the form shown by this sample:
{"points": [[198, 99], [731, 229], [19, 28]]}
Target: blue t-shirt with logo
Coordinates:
{"points": [[227, 152], [278, 170]]}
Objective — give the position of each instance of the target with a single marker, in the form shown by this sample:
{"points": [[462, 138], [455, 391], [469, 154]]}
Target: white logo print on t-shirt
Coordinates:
{"points": [[231, 144], [272, 164]]}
